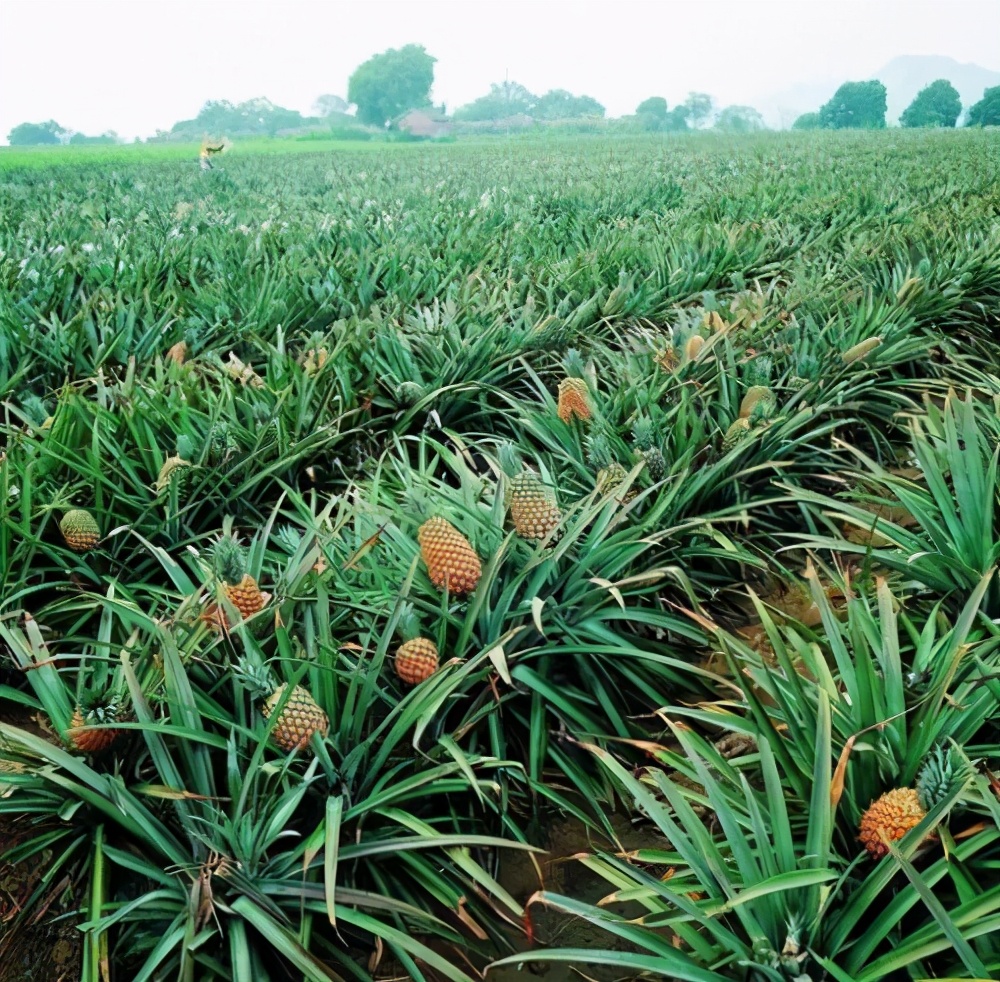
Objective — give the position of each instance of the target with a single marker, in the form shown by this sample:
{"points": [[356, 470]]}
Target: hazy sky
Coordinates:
{"points": [[138, 65]]}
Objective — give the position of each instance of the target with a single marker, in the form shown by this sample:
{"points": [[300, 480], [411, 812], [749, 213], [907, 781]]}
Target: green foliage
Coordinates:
{"points": [[808, 121], [559, 104], [937, 104], [855, 106], [505, 99], [697, 108], [986, 112], [36, 134], [739, 119], [255, 117], [390, 83]]}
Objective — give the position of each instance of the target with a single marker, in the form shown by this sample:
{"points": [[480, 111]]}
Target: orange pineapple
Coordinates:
{"points": [[452, 563]]}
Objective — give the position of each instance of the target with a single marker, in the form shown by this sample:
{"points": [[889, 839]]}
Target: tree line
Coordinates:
{"points": [[390, 84]]}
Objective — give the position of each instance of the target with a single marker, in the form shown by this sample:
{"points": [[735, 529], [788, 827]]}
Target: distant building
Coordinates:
{"points": [[427, 123]]}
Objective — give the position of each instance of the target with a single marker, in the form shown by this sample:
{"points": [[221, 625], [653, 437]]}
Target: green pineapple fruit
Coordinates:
{"points": [[644, 435]]}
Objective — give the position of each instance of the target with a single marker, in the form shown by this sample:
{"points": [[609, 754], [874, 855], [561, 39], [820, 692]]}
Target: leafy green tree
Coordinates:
{"points": [[36, 134], [855, 106], [330, 105], [807, 121], [389, 84], [740, 119], [110, 136], [937, 104], [505, 99], [698, 108], [986, 112], [560, 104], [651, 114]]}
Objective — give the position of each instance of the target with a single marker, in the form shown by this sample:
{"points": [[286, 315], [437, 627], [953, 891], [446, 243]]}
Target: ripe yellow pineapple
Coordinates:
{"points": [[452, 563], [416, 660], [756, 395], [533, 507], [300, 718], [80, 530], [574, 393]]}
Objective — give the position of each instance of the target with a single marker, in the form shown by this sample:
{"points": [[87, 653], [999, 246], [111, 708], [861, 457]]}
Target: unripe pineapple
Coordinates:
{"points": [[645, 440], [610, 474], [533, 507], [91, 741], [416, 660], [735, 433], [756, 397], [861, 350], [80, 530], [574, 393], [300, 718], [452, 563]]}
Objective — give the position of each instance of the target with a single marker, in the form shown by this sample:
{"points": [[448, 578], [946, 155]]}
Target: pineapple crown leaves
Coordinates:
{"points": [[408, 624], [256, 677], [945, 771], [758, 371], [599, 454], [510, 460], [644, 432], [573, 364]]}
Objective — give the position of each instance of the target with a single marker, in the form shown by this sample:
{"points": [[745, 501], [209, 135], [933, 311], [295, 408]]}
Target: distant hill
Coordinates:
{"points": [[902, 77]]}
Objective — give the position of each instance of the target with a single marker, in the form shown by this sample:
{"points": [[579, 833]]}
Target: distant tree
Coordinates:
{"points": [[109, 137], [740, 119], [505, 99], [986, 112], [937, 104], [807, 121], [560, 104], [388, 84], [36, 134], [855, 106], [651, 114], [330, 105], [698, 107], [255, 117]]}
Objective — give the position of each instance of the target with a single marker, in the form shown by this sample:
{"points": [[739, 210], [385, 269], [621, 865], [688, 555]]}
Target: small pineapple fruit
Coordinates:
{"points": [[861, 350], [574, 393], [533, 507], [899, 810], [240, 587], [92, 741], [645, 440], [890, 817], [80, 530], [452, 563], [299, 719], [739, 429], [610, 474], [758, 396], [417, 657]]}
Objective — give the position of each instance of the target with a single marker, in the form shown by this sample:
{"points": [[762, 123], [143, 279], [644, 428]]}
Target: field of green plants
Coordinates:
{"points": [[365, 516]]}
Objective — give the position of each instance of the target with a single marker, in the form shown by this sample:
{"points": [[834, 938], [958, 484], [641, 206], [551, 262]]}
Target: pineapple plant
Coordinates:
{"points": [[644, 435], [452, 563], [298, 720], [417, 657], [80, 530], [239, 588], [533, 507], [574, 393], [892, 815], [609, 473]]}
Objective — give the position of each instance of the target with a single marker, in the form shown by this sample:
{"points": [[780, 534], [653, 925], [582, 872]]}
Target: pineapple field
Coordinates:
{"points": [[559, 558]]}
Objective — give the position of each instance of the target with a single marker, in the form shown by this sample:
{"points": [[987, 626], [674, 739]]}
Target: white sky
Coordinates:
{"points": [[137, 65]]}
